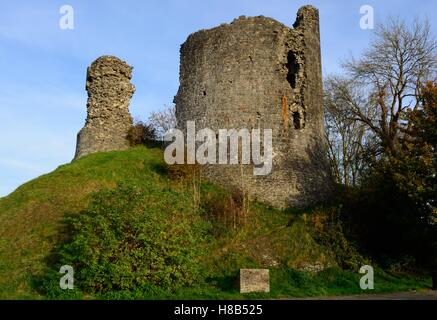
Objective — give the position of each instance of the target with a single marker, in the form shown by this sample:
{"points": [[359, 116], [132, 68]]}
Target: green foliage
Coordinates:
{"points": [[170, 218], [128, 239], [375, 214], [328, 229], [49, 285], [141, 134], [224, 208], [415, 165], [414, 169], [394, 211]]}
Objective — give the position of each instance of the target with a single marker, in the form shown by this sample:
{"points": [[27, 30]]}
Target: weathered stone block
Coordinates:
{"points": [[254, 280]]}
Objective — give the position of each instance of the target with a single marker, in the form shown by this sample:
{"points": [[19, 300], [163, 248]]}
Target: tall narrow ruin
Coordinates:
{"points": [[259, 73], [108, 118]]}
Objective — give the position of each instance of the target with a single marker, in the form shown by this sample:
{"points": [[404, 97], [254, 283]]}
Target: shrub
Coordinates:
{"points": [[186, 172], [328, 230], [141, 133], [225, 209], [128, 239], [383, 220]]}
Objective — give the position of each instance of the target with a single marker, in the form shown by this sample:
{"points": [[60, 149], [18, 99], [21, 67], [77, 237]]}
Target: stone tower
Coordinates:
{"points": [[259, 73], [108, 118]]}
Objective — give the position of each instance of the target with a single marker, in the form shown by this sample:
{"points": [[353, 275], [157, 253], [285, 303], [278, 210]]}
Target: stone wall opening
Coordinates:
{"points": [[293, 68], [297, 120]]}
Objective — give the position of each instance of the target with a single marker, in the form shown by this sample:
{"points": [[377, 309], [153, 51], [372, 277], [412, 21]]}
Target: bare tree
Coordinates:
{"points": [[350, 142], [398, 60], [162, 121], [366, 109]]}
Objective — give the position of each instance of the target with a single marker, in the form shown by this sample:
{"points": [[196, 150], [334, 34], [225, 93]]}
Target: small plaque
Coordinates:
{"points": [[254, 280]]}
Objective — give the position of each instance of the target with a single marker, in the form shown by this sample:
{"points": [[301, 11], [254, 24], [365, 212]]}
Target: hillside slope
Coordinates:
{"points": [[30, 217], [32, 222]]}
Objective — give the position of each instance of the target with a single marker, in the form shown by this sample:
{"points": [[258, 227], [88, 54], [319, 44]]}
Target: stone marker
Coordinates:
{"points": [[254, 280]]}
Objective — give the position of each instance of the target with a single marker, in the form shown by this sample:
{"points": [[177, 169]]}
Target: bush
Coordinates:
{"points": [[384, 220], [141, 133], [328, 230], [224, 208], [128, 239]]}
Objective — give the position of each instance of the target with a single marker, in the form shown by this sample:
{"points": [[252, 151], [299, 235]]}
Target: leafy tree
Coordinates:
{"points": [[416, 162], [415, 168], [381, 125]]}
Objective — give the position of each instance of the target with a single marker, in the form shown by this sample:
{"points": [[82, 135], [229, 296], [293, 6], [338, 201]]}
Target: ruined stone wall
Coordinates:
{"points": [[108, 119], [258, 73]]}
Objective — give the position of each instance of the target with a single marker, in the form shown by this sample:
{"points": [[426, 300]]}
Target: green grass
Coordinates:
{"points": [[31, 222]]}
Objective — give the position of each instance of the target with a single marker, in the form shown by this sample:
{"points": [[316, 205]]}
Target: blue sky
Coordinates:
{"points": [[42, 79]]}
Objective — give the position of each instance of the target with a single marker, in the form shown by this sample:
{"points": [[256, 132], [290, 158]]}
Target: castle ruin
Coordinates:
{"points": [[108, 119], [258, 73], [254, 73]]}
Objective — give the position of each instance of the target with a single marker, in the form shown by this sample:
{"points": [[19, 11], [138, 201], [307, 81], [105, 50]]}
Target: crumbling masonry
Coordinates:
{"points": [[258, 73], [108, 119], [254, 73]]}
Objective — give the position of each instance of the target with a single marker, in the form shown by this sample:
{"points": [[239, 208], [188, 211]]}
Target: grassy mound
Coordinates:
{"points": [[228, 234]]}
